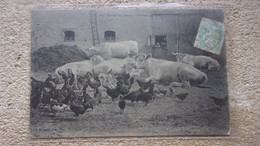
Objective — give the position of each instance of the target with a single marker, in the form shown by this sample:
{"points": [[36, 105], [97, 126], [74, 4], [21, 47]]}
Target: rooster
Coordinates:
{"points": [[113, 93]]}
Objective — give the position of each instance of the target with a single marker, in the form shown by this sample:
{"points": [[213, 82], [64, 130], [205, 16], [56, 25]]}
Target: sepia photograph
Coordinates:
{"points": [[128, 73]]}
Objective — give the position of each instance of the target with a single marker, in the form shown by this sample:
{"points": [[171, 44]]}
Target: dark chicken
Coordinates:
{"points": [[181, 96], [67, 76], [121, 88], [44, 91], [94, 81], [122, 104], [132, 96], [65, 94], [36, 92], [122, 77], [220, 101], [83, 80], [97, 95], [113, 93], [144, 85], [146, 96], [62, 95], [164, 92], [89, 80], [47, 95], [78, 107], [125, 79], [86, 97], [50, 82], [171, 91]]}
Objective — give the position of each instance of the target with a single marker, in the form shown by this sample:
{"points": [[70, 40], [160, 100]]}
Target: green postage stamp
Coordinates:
{"points": [[210, 36]]}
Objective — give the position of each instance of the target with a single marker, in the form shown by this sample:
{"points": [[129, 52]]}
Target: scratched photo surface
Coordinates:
{"points": [[114, 73]]}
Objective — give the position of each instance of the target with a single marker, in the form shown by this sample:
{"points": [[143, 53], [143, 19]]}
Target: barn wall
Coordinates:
{"points": [[127, 25], [48, 28], [179, 27], [181, 30]]}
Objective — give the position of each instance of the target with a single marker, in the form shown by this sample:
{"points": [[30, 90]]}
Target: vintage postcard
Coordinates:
{"points": [[120, 73]]}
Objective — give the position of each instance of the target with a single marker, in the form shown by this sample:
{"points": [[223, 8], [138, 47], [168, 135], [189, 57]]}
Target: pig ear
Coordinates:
{"points": [[62, 73], [110, 72], [59, 73], [70, 73], [148, 56], [90, 73], [135, 57]]}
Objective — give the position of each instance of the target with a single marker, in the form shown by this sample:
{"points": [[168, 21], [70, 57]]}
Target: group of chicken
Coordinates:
{"points": [[47, 93], [59, 99], [66, 97]]}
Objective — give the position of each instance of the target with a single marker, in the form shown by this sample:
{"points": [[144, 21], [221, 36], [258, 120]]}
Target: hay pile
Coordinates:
{"points": [[49, 58]]}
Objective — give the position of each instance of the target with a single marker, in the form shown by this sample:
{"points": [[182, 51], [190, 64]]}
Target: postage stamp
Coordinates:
{"points": [[210, 36]]}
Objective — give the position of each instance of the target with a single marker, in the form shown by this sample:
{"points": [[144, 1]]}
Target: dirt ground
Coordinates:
{"points": [[196, 115]]}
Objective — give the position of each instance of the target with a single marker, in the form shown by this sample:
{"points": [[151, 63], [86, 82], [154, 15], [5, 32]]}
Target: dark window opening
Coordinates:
{"points": [[160, 41], [110, 36], [69, 36]]}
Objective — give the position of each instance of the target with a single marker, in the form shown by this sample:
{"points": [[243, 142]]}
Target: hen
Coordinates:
{"points": [[122, 104], [181, 96], [146, 96]]}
